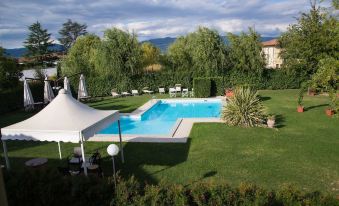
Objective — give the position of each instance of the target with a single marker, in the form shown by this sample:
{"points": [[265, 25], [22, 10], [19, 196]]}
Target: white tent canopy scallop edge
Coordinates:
{"points": [[63, 120]]}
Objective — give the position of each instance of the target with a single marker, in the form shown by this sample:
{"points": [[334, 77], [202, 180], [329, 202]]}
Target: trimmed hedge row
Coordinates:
{"points": [[13, 99], [48, 187], [202, 87]]}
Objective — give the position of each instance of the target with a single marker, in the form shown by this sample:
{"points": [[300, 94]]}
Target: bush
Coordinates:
{"points": [[202, 87], [244, 109], [48, 187]]}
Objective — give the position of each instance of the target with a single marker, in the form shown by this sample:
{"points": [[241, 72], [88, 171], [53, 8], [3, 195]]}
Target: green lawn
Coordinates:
{"points": [[302, 151]]}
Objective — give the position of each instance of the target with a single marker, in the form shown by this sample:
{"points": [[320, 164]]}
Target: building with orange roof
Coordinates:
{"points": [[272, 50]]}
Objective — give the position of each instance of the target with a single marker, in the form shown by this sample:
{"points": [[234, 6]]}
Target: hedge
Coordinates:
{"points": [[265, 79], [48, 187], [202, 87], [13, 99]]}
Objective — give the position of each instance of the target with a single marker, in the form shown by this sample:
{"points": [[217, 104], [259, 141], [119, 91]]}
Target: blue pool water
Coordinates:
{"points": [[160, 119]]}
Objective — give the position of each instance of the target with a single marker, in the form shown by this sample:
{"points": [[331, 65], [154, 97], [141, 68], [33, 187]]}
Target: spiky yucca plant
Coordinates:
{"points": [[244, 109]]}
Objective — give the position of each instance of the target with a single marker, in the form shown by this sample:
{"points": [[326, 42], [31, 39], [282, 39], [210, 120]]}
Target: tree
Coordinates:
{"points": [[150, 54], [314, 37], [81, 56], [245, 52], [9, 72], [119, 54], [38, 40], [70, 31], [203, 52]]}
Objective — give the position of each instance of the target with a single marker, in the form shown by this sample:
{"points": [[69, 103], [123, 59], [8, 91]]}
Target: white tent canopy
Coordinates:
{"points": [[63, 120], [67, 86]]}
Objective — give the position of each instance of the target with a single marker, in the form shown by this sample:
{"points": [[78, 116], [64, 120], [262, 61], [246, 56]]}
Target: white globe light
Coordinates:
{"points": [[112, 150]]}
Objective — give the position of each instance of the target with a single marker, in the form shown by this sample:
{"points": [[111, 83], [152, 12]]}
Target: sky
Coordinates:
{"points": [[147, 18]]}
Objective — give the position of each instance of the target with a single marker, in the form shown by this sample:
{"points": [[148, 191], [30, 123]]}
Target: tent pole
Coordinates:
{"points": [[59, 150], [83, 156], [120, 139], [6, 155]]}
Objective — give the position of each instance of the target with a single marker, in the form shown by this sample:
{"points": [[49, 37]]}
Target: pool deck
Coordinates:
{"points": [[179, 134]]}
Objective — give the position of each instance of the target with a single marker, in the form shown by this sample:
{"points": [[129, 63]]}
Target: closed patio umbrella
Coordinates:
{"points": [[28, 98], [67, 86], [82, 92], [48, 93]]}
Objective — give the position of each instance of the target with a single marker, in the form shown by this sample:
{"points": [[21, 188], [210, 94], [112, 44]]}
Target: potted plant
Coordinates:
{"points": [[229, 92], [300, 107], [331, 110], [270, 121]]}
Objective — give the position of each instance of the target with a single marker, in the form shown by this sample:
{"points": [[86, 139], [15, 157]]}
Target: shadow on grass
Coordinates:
{"points": [[279, 121], [264, 98], [315, 106], [137, 156]]}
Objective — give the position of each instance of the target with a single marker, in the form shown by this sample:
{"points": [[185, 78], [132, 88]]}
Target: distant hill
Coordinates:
{"points": [[19, 52], [161, 43], [164, 43]]}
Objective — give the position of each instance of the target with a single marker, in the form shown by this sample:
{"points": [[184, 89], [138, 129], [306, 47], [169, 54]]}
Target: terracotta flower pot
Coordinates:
{"points": [[229, 93], [270, 123], [329, 112], [300, 109]]}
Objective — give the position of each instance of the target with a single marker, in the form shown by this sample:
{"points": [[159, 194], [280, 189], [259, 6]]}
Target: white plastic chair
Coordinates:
{"points": [[178, 88], [192, 93], [162, 90], [184, 92], [172, 92], [135, 92]]}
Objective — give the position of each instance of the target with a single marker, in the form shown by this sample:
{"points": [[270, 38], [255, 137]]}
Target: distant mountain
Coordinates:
{"points": [[164, 43], [161, 43], [19, 52]]}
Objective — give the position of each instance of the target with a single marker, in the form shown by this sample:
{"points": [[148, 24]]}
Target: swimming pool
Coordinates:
{"points": [[162, 117]]}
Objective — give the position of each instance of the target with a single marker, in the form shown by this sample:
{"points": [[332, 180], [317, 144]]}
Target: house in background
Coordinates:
{"points": [[272, 50]]}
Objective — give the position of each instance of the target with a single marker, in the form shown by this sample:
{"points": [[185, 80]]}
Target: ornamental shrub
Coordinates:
{"points": [[48, 187], [202, 87], [244, 108], [217, 86]]}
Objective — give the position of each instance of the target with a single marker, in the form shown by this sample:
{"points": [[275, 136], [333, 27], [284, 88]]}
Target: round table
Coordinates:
{"points": [[36, 162]]}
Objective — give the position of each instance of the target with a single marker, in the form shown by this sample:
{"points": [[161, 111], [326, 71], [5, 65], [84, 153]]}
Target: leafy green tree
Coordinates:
{"points": [[81, 56], [9, 72], [327, 78], [314, 37], [119, 55], [203, 52], [150, 54], [245, 52], [179, 55], [38, 40], [70, 31]]}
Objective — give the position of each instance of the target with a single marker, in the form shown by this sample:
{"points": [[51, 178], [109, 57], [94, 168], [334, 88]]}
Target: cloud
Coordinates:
{"points": [[148, 18]]}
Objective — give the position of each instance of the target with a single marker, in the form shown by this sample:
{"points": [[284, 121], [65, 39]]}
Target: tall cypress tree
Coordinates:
{"points": [[38, 40]]}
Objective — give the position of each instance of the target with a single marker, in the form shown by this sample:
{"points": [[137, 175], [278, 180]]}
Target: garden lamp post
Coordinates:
{"points": [[113, 150]]}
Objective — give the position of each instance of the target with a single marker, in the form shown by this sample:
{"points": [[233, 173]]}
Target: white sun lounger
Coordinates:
{"points": [[172, 92], [125, 93], [135, 92], [184, 92], [146, 91], [115, 94]]}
